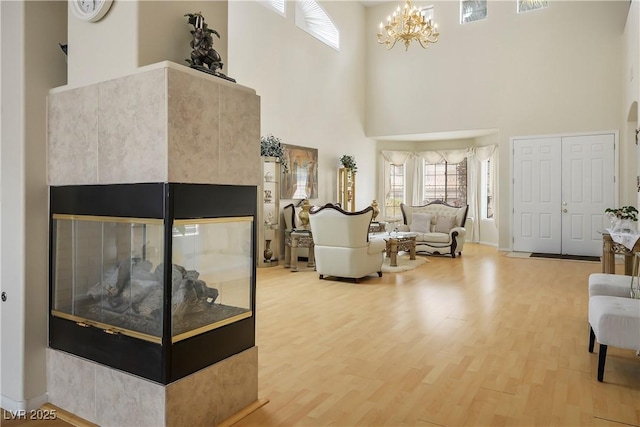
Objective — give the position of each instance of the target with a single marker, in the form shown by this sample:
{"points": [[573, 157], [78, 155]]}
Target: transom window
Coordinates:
{"points": [[446, 182], [312, 18], [527, 5], [472, 10], [427, 12], [277, 5]]}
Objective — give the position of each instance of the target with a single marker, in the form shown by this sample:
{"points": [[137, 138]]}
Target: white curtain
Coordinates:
{"points": [[389, 158], [431, 157], [396, 157], [477, 156], [456, 156]]}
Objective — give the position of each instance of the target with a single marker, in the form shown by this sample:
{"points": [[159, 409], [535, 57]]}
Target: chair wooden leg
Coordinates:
{"points": [[602, 355], [321, 276], [379, 273], [592, 339]]}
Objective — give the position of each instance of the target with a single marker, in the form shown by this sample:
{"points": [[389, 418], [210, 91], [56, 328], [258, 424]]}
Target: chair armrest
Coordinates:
{"points": [[460, 230], [376, 246], [403, 227]]}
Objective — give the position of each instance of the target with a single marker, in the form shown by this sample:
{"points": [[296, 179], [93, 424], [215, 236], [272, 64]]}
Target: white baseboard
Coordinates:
{"points": [[495, 245], [9, 404]]}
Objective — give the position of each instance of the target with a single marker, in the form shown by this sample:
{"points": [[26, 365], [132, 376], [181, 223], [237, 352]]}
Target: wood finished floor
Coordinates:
{"points": [[481, 340]]}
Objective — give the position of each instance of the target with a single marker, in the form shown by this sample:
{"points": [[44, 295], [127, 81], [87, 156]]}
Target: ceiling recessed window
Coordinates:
{"points": [[313, 19], [277, 5], [527, 5], [472, 10]]}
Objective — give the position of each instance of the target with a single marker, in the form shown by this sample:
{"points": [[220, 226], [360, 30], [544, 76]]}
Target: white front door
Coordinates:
{"points": [[536, 195], [562, 185], [587, 190]]}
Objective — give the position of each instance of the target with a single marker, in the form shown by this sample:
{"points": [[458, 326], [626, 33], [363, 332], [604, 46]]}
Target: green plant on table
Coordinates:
{"points": [[625, 212]]}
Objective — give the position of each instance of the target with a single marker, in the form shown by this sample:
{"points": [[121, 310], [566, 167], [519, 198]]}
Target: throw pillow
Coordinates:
{"points": [[421, 223], [444, 224]]}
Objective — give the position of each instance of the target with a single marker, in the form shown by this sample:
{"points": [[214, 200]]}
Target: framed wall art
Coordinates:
{"points": [[302, 180]]}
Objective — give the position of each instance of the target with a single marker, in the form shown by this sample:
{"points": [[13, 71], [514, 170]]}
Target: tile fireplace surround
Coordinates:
{"points": [[163, 123]]}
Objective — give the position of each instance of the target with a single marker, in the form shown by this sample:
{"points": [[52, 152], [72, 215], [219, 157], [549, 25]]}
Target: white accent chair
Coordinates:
{"points": [[614, 317], [612, 285], [614, 321], [440, 227], [342, 245]]}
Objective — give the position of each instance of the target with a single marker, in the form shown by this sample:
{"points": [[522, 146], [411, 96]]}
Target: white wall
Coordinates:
{"points": [[35, 28], [164, 32], [311, 95], [134, 34], [541, 72], [105, 49], [13, 224]]}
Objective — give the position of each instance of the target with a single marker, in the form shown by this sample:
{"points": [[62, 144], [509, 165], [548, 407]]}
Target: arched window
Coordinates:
{"points": [[277, 5], [312, 18]]}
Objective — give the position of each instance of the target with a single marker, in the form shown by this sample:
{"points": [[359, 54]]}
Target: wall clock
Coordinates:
{"points": [[90, 10]]}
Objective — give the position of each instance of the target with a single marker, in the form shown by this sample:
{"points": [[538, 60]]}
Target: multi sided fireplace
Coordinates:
{"points": [[154, 279]]}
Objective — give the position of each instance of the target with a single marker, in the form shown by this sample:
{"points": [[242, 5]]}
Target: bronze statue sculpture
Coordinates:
{"points": [[202, 45]]}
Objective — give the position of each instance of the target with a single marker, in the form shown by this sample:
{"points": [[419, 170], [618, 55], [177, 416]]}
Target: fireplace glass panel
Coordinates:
{"points": [[108, 273], [212, 274]]}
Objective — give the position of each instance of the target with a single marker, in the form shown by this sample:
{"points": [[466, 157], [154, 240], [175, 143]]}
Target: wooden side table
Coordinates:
{"points": [[610, 248], [294, 239]]}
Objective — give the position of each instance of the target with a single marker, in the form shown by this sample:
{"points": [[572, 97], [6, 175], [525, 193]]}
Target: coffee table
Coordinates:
{"points": [[400, 242]]}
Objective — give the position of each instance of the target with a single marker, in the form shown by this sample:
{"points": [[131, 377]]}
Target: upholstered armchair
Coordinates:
{"points": [[342, 245]]}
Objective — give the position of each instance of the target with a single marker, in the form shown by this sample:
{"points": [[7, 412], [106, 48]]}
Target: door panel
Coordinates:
{"points": [[537, 220], [587, 190]]}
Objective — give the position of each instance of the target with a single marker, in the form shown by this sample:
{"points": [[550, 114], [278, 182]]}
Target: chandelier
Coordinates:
{"points": [[408, 24]]}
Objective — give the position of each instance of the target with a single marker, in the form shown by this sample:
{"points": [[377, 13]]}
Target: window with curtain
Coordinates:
{"points": [[446, 182], [395, 178], [487, 188]]}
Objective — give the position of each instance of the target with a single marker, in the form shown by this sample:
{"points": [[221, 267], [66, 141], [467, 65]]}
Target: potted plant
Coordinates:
{"points": [[349, 162], [271, 146], [623, 219]]}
